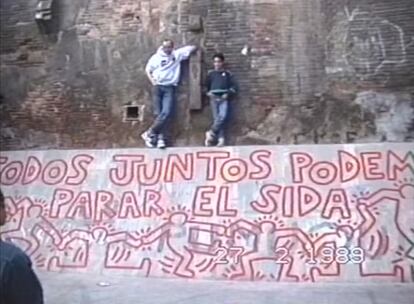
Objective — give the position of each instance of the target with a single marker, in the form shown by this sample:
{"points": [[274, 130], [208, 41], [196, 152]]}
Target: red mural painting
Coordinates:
{"points": [[283, 214]]}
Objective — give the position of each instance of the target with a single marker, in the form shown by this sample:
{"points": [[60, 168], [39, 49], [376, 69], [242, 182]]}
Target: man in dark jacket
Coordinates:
{"points": [[18, 283], [220, 86]]}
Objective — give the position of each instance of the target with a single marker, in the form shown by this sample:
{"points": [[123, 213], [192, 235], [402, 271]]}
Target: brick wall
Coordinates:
{"points": [[319, 71]]}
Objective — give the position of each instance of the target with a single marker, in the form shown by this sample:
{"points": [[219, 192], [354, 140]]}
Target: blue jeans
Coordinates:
{"points": [[164, 99], [220, 109]]}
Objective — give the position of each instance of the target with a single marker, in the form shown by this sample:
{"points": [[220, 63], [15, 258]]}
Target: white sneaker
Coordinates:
{"points": [[161, 143], [148, 139], [221, 142], [209, 139]]}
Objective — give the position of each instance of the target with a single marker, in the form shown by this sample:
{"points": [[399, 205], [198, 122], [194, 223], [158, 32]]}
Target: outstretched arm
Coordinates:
{"points": [[133, 241], [242, 224], [74, 234], [49, 229], [116, 237], [379, 196], [185, 52], [155, 234]]}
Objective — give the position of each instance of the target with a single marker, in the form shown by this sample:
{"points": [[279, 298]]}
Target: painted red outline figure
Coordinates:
{"points": [[268, 239], [175, 234], [379, 243]]}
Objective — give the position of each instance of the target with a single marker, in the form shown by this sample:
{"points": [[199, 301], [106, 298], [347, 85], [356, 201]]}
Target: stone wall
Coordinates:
{"points": [[319, 71]]}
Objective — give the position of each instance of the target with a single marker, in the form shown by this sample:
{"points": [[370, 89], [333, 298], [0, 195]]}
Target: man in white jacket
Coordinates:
{"points": [[163, 70]]}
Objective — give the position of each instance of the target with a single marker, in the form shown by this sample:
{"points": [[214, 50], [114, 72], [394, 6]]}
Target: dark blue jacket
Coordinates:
{"points": [[221, 82], [18, 283]]}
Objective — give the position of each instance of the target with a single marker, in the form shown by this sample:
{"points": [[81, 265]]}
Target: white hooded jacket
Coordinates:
{"points": [[165, 69]]}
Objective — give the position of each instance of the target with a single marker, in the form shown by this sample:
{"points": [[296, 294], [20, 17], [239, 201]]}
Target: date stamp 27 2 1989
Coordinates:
{"points": [[326, 255]]}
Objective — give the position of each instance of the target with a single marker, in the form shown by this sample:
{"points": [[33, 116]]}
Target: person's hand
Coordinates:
{"points": [[153, 81], [225, 96]]}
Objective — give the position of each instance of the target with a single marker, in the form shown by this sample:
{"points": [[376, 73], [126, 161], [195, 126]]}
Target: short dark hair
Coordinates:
{"points": [[219, 56], [2, 205]]}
